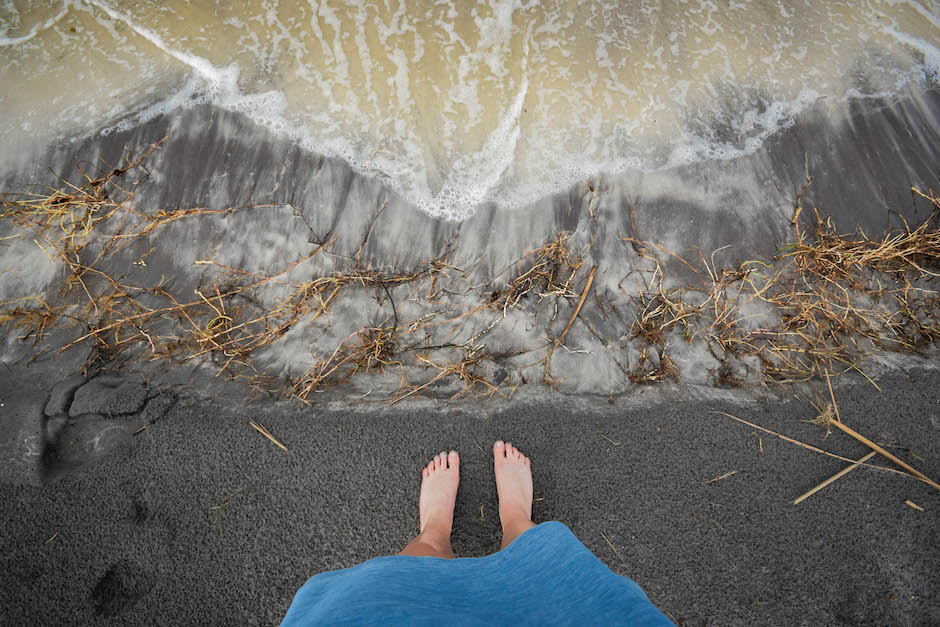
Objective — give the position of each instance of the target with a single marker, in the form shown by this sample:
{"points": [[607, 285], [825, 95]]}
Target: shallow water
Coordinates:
{"points": [[456, 105]]}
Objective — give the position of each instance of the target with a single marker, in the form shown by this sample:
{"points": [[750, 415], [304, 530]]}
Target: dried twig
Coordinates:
{"points": [[587, 288], [266, 434], [837, 422], [833, 478], [724, 476], [816, 449]]}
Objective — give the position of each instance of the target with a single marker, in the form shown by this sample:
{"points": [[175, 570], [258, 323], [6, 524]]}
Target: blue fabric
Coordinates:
{"points": [[546, 576]]}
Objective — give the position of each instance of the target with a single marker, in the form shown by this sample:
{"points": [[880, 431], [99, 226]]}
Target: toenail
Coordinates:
{"points": [[499, 444]]}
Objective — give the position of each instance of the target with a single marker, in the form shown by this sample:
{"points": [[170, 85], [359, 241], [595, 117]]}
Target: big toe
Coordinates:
{"points": [[453, 460], [512, 455]]}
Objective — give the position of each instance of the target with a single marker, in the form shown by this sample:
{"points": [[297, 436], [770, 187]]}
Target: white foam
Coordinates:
{"points": [[931, 53], [757, 126], [36, 29], [473, 177], [220, 81]]}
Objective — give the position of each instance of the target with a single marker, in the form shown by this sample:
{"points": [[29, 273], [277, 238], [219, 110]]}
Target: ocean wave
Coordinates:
{"points": [[508, 151]]}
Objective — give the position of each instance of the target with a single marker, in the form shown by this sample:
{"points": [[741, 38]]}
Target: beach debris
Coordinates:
{"points": [[879, 449], [266, 434], [220, 510], [815, 449], [829, 416], [653, 367], [613, 548], [577, 309], [833, 478], [609, 543], [826, 300], [724, 476], [43, 554], [550, 273], [819, 308], [796, 214], [798, 208], [836, 421], [914, 505]]}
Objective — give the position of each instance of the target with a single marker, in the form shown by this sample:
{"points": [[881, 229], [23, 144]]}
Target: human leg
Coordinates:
{"points": [[439, 482]]}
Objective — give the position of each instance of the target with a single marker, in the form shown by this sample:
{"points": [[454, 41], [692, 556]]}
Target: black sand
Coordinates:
{"points": [[133, 538]]}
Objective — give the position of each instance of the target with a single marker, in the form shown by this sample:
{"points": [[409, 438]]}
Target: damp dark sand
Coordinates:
{"points": [[200, 519]]}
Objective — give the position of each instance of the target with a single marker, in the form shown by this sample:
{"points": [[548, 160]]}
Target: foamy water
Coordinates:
{"points": [[459, 104]]}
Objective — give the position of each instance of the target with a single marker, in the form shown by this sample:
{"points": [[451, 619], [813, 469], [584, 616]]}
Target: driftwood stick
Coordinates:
{"points": [[818, 450], [861, 438], [577, 310], [266, 434], [834, 477]]}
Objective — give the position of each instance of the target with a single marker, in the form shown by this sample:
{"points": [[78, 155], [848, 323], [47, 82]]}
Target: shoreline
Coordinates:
{"points": [[822, 305]]}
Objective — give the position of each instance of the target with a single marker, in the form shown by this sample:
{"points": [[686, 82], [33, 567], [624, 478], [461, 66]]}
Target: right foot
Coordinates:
{"points": [[514, 486]]}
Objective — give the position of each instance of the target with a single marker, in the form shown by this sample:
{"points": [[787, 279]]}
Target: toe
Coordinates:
{"points": [[453, 459], [437, 462], [443, 457], [528, 462], [509, 450], [499, 450], [430, 466], [425, 472]]}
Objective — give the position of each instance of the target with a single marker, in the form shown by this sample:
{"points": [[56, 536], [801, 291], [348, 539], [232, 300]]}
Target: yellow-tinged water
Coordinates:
{"points": [[459, 103]]}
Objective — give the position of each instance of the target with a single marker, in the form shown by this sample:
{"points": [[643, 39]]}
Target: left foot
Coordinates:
{"points": [[438, 496]]}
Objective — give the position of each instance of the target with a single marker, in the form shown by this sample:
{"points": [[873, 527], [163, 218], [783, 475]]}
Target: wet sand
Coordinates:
{"points": [[135, 537]]}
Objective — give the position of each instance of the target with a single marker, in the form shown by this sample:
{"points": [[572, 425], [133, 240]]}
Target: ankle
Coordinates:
{"points": [[514, 529], [514, 515], [436, 536]]}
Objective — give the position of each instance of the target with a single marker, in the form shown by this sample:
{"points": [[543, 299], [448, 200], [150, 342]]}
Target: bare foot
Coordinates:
{"points": [[439, 493], [514, 486], [436, 507]]}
